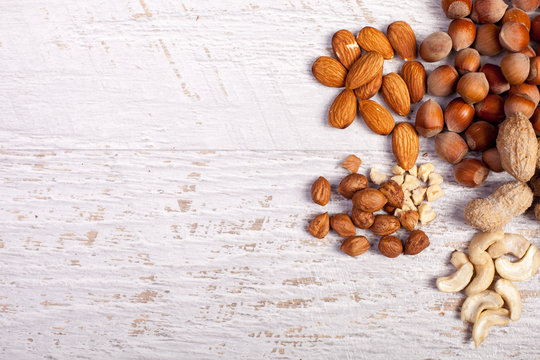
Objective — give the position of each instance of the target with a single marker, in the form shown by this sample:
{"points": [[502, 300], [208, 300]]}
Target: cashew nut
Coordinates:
{"points": [[475, 304], [511, 296], [514, 244], [485, 271], [522, 269], [487, 319], [481, 242], [458, 280]]}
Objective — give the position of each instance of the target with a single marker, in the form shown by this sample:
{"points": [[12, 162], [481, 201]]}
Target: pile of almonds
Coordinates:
{"points": [[401, 197]]}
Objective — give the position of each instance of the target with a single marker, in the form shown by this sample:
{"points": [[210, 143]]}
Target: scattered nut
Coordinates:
{"points": [[408, 204], [418, 195], [369, 200], [351, 184], [414, 171], [377, 177], [520, 270], [475, 304], [398, 170], [399, 179], [487, 319], [342, 224], [320, 226], [425, 170], [355, 245], [410, 183], [394, 193], [434, 192], [416, 243], [385, 225], [435, 179], [461, 278], [511, 296], [362, 219], [485, 272], [398, 213], [352, 163], [320, 191], [514, 244], [426, 213], [408, 219], [390, 246]]}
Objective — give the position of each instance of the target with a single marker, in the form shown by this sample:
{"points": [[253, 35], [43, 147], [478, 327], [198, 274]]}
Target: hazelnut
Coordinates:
{"points": [[342, 224], [429, 119], [390, 246], [450, 147], [442, 81], [352, 163], [385, 225], [515, 68], [473, 87], [416, 242], [362, 219], [409, 219], [534, 72], [458, 115], [535, 120], [521, 104], [467, 60], [351, 184], [393, 193], [517, 15], [527, 90], [528, 51], [436, 47], [514, 36], [481, 136], [455, 9], [497, 82], [369, 200], [526, 5], [471, 172], [488, 11], [487, 40], [491, 109], [389, 209], [462, 32], [320, 226], [320, 191], [535, 28], [492, 159], [355, 245]]}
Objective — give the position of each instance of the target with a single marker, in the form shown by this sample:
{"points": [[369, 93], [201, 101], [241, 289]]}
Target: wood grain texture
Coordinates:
{"points": [[156, 164]]}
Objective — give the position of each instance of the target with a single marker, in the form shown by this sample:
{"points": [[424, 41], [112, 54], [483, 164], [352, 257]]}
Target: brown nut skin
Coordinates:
{"points": [[329, 72], [342, 225], [436, 47], [362, 219], [343, 110], [467, 60], [519, 16], [534, 72], [535, 121], [471, 172], [352, 163], [390, 246], [535, 28], [450, 147], [389, 209], [442, 81], [495, 78], [514, 36], [526, 90], [462, 32], [385, 225], [346, 48], [491, 109], [455, 9], [320, 226], [481, 136], [369, 200], [488, 11], [473, 87], [458, 115], [355, 245], [351, 184], [416, 243], [409, 219], [402, 38], [487, 40], [492, 159], [414, 75], [320, 191], [515, 68], [529, 52], [526, 5], [393, 193], [519, 104], [429, 119]]}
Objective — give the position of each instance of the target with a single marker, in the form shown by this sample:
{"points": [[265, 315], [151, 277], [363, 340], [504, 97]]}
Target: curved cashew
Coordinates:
{"points": [[475, 304], [484, 275], [487, 319], [510, 294], [481, 242], [514, 244], [522, 269], [458, 280]]}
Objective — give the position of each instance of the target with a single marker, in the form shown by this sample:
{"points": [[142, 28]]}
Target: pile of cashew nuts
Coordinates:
{"points": [[484, 307]]}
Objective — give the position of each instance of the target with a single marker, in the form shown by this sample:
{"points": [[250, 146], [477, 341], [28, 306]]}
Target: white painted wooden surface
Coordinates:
{"points": [[156, 158]]}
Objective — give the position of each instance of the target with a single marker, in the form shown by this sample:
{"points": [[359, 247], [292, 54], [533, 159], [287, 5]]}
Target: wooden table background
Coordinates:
{"points": [[156, 159]]}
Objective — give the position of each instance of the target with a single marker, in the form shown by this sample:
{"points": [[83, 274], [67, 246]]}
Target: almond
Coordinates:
{"points": [[346, 48], [385, 225], [342, 224], [320, 191], [352, 163], [371, 39], [351, 184], [393, 192], [414, 75], [402, 38], [416, 243], [343, 110], [390, 246], [329, 71], [370, 89], [405, 145], [355, 245], [369, 200], [320, 226], [396, 94], [364, 70], [377, 118], [518, 147]]}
